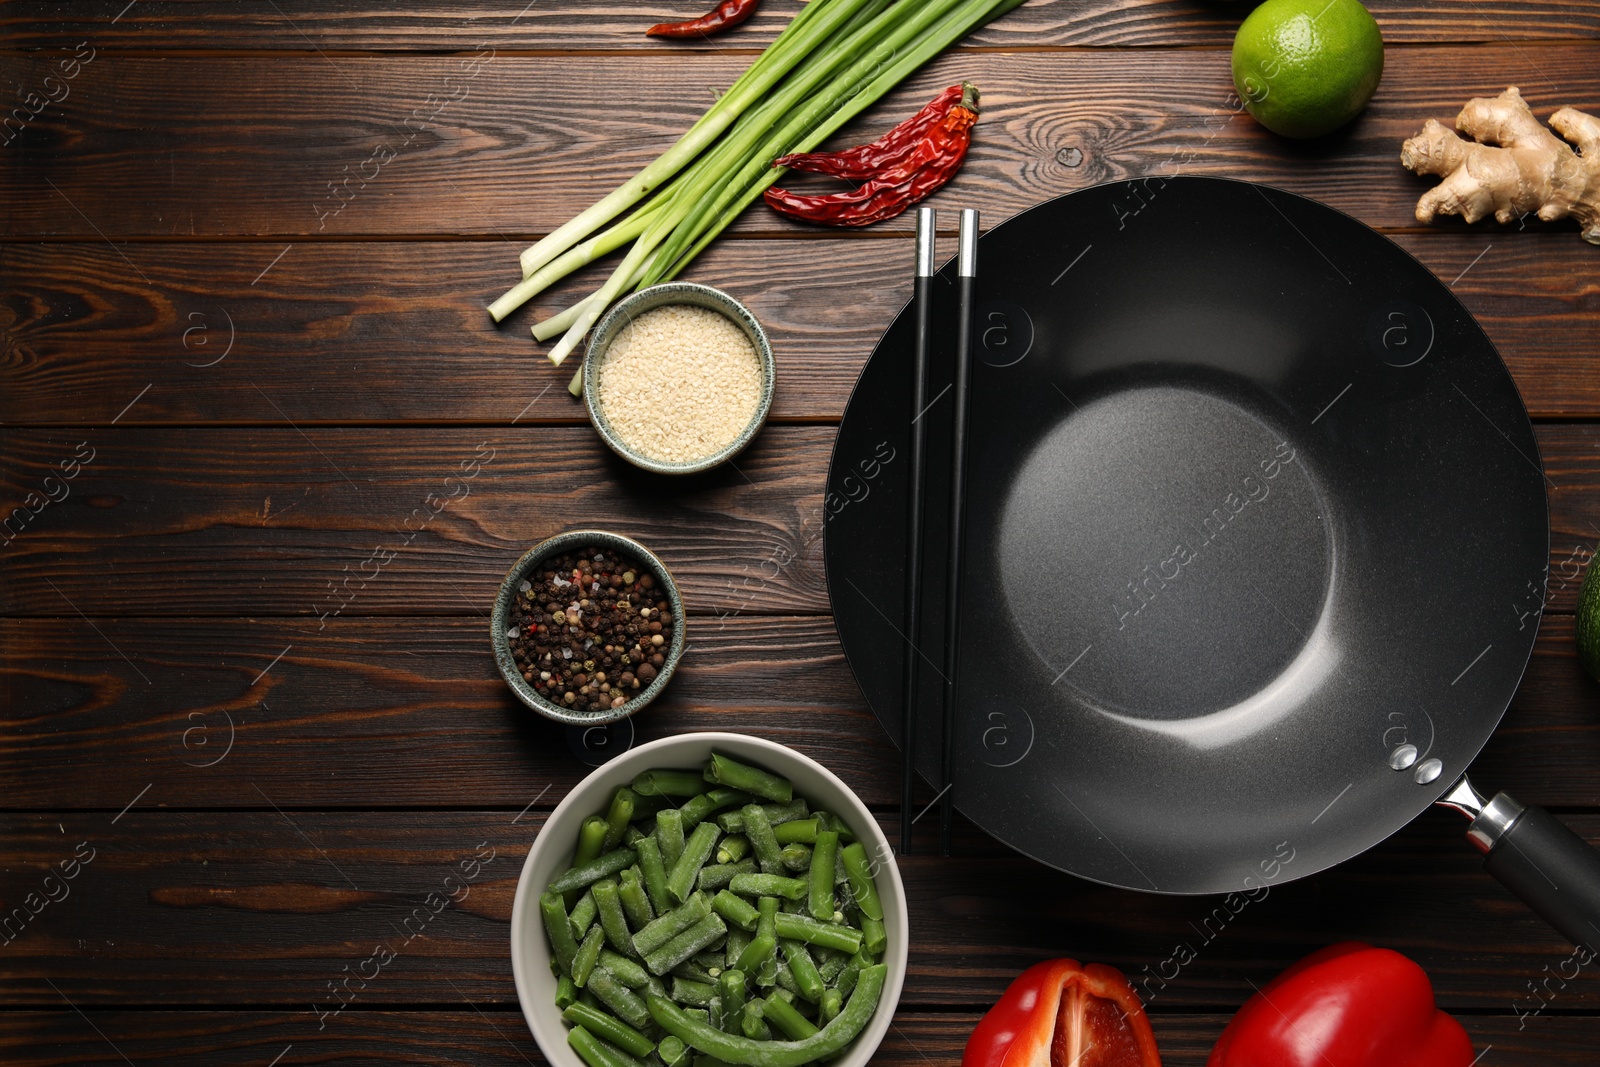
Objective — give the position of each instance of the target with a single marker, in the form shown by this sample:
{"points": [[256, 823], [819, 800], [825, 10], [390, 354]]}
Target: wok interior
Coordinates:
{"points": [[1230, 544]]}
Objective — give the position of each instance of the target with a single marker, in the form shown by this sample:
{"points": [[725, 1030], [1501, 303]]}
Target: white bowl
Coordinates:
{"points": [[552, 853]]}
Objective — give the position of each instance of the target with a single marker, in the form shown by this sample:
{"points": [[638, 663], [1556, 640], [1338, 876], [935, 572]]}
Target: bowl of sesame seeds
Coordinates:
{"points": [[678, 378], [588, 627]]}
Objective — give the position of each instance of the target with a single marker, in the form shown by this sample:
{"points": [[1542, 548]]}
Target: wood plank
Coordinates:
{"points": [[388, 314], [417, 145], [620, 25], [89, 731], [268, 521], [343, 717], [207, 908], [497, 1036]]}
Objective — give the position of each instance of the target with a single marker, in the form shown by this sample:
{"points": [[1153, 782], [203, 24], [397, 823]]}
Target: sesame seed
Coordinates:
{"points": [[679, 383]]}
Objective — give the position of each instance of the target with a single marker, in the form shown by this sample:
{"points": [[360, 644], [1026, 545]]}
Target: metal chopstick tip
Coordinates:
{"points": [[968, 267], [926, 231]]}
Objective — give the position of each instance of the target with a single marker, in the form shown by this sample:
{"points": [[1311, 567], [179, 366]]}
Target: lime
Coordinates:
{"points": [[1589, 619], [1306, 67]]}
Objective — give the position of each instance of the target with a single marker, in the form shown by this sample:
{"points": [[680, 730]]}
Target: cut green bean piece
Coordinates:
{"points": [[795, 857], [768, 885], [609, 1028], [597, 1053], [623, 1002], [777, 815], [832, 1001], [635, 901], [783, 1015], [734, 908], [686, 944], [612, 921], [874, 937], [692, 994], [829, 963], [558, 927], [832, 1038], [584, 960], [718, 875], [669, 834], [670, 783], [654, 870], [852, 971], [823, 857], [738, 941], [591, 844], [759, 830], [809, 983], [618, 816], [691, 971], [714, 1012], [582, 914], [757, 954], [566, 992], [696, 810], [601, 867], [656, 985], [837, 825], [681, 879], [673, 1052], [734, 848], [862, 886], [829, 935], [751, 1022], [671, 924], [632, 835], [629, 972], [753, 780], [731, 989], [795, 832]]}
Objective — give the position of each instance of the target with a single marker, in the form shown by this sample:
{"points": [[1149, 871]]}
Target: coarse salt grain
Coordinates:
{"points": [[679, 383]]}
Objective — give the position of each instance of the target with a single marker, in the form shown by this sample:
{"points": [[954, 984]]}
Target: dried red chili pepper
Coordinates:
{"points": [[864, 161], [931, 162], [725, 15]]}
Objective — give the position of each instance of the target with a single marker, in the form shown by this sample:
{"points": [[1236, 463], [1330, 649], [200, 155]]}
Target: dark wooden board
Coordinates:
{"points": [[281, 520], [570, 24], [524, 143], [497, 1036], [266, 907], [343, 718], [346, 330]]}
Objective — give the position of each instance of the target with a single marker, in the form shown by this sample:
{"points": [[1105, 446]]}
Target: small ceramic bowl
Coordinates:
{"points": [[500, 621], [552, 852], [630, 308]]}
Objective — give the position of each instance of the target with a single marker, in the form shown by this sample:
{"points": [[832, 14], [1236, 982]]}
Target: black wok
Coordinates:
{"points": [[1256, 546]]}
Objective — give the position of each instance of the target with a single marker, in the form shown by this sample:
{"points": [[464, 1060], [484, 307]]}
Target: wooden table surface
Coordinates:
{"points": [[247, 694]]}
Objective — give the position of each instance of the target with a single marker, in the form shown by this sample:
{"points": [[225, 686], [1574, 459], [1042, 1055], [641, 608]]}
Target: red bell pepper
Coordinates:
{"points": [[1349, 1005], [1061, 1013]]}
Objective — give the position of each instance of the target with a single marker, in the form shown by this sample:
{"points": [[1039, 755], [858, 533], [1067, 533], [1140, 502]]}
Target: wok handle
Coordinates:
{"points": [[1553, 870]]}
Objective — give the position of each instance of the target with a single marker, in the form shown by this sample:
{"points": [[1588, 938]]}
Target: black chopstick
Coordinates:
{"points": [[922, 311], [966, 272]]}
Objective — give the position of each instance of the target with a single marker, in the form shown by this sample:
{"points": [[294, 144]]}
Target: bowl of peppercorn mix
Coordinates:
{"points": [[587, 627]]}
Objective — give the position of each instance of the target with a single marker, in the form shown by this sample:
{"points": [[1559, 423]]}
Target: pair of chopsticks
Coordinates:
{"points": [[966, 270]]}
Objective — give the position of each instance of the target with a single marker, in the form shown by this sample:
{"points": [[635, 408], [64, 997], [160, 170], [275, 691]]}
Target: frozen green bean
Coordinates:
{"points": [[584, 960], [823, 856], [829, 935], [673, 1052], [609, 1028], [635, 901], [670, 783], [582, 914], [566, 992], [629, 972], [862, 886], [768, 885], [874, 937], [681, 879], [759, 830], [594, 870], [809, 983], [777, 814], [795, 832], [734, 908], [832, 1001], [623, 1002], [654, 871], [618, 816], [686, 944], [597, 1053], [731, 988], [735, 775], [733, 848], [558, 927], [692, 994], [669, 833], [671, 924], [751, 1022], [783, 1015], [795, 857], [718, 875], [612, 921], [696, 810]]}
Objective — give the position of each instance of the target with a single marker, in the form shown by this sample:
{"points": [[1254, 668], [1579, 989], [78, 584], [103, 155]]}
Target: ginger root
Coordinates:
{"points": [[1512, 165]]}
